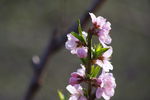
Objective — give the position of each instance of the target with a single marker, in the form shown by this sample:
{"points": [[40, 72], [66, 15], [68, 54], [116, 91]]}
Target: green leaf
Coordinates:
{"points": [[85, 91], [79, 27], [61, 95], [104, 50], [94, 71], [89, 76], [84, 60], [98, 51], [80, 38], [80, 30], [98, 48]]}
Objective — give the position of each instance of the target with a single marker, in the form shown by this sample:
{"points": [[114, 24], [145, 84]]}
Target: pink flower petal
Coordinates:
{"points": [[93, 17], [108, 53], [74, 97], [71, 89], [99, 93], [82, 52], [82, 98]]}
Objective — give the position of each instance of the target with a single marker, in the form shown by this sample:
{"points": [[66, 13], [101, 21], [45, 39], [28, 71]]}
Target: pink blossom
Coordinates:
{"points": [[76, 92], [82, 52], [71, 37], [77, 77], [104, 36], [103, 27], [98, 22], [72, 45], [107, 26], [106, 89], [104, 59]]}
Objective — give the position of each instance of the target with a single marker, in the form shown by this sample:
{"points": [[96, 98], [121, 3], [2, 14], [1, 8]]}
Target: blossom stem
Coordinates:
{"points": [[88, 68], [89, 52]]}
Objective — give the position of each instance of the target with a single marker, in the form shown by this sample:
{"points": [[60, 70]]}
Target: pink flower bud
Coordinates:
{"points": [[82, 52], [77, 77], [74, 80]]}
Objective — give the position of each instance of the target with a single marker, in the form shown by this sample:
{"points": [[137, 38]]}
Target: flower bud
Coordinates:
{"points": [[82, 52]]}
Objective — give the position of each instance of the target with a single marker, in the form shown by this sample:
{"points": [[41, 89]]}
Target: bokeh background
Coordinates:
{"points": [[26, 27]]}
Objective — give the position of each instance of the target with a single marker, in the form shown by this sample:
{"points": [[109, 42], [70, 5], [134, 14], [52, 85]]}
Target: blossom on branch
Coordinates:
{"points": [[103, 60], [82, 52], [102, 28], [77, 77], [108, 84], [76, 92], [75, 46]]}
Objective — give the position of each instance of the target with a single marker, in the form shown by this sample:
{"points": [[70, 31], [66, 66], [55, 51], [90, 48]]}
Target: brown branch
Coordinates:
{"points": [[54, 45], [88, 67]]}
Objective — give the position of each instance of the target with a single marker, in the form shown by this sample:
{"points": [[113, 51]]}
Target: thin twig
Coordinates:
{"points": [[54, 45], [88, 67]]}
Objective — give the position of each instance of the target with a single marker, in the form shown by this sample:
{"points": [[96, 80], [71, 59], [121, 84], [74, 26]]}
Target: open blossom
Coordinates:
{"points": [[108, 84], [77, 77], [104, 36], [103, 61], [98, 22], [76, 92], [74, 45], [103, 28], [71, 43]]}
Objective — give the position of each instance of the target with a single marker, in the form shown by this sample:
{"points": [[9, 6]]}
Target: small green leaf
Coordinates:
{"points": [[98, 48], [88, 75], [98, 51], [104, 50], [84, 60], [79, 27], [94, 71], [80, 30], [85, 91], [61, 95], [80, 38]]}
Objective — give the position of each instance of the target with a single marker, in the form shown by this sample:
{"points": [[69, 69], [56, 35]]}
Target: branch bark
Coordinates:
{"points": [[55, 44]]}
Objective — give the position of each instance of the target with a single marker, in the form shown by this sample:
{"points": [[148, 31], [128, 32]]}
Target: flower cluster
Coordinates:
{"points": [[95, 59]]}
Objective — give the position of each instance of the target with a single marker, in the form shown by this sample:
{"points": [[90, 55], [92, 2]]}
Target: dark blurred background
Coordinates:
{"points": [[26, 27]]}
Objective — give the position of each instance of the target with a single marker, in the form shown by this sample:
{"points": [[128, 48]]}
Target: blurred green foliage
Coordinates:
{"points": [[25, 28]]}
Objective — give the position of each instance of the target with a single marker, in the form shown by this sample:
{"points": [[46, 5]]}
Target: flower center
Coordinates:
{"points": [[101, 58], [80, 44]]}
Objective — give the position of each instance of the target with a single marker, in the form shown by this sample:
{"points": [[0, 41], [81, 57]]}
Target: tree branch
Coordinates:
{"points": [[54, 45]]}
